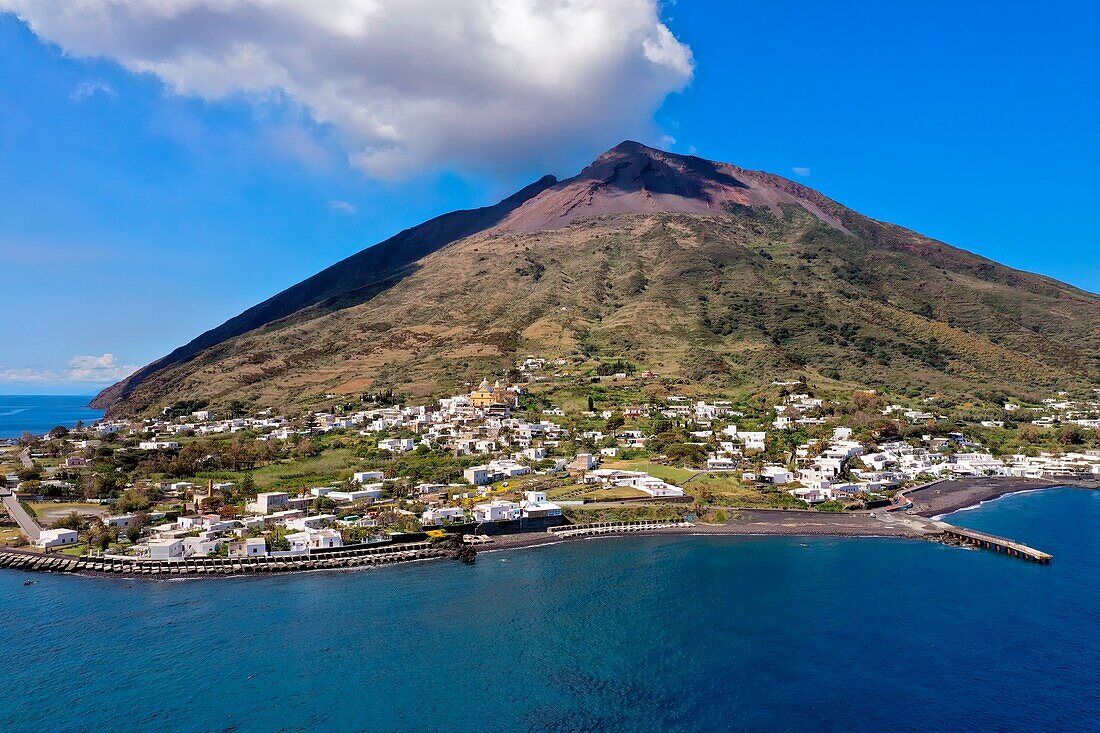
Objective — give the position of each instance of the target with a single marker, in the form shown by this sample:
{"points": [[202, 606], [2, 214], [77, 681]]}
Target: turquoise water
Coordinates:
{"points": [[639, 633], [42, 413]]}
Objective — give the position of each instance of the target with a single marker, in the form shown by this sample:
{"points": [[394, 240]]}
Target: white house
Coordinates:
{"points": [[442, 515], [753, 440], [317, 521], [248, 547], [535, 505], [497, 511], [167, 549], [201, 546], [812, 496], [366, 477], [121, 521], [56, 538], [397, 445], [370, 491], [776, 475], [478, 475], [635, 479], [158, 445], [584, 462], [269, 502], [314, 539], [721, 463]]}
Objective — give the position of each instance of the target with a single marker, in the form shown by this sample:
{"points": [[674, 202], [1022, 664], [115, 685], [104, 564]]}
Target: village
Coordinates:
{"points": [[493, 462]]}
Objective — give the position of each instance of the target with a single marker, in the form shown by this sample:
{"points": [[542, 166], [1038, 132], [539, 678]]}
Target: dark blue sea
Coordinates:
{"points": [[42, 413], [631, 634]]}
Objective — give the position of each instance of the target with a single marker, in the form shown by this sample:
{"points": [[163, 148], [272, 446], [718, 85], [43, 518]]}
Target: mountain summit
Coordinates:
{"points": [[631, 178], [704, 272]]}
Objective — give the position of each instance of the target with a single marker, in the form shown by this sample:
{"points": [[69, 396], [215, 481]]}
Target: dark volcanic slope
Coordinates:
{"points": [[634, 179], [702, 271], [352, 280]]}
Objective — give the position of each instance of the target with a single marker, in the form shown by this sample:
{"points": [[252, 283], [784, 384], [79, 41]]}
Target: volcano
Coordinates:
{"points": [[704, 272]]}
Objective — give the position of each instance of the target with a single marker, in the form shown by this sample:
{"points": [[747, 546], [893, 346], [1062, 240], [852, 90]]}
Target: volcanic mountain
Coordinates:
{"points": [[704, 272]]}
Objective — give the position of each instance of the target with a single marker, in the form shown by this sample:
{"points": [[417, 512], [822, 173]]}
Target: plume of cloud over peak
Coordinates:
{"points": [[410, 84]]}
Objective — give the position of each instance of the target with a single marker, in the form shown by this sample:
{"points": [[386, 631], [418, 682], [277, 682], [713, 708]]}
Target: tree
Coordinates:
{"points": [[277, 541], [73, 520], [615, 422], [133, 531], [107, 484], [29, 474], [307, 449], [1071, 435], [132, 500], [323, 505]]}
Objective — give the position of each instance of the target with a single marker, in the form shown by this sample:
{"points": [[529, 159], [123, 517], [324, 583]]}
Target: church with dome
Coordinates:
{"points": [[496, 395]]}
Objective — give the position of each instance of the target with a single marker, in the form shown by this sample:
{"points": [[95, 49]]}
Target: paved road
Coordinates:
{"points": [[25, 456], [19, 514]]}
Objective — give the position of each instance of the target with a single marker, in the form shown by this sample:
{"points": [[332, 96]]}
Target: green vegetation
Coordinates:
{"points": [[671, 474], [585, 514]]}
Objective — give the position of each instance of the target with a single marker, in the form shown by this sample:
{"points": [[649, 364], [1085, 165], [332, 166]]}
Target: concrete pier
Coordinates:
{"points": [[985, 541], [204, 566], [598, 528]]}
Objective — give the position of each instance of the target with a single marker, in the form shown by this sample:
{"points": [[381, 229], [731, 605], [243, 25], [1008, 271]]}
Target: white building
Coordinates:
{"points": [[368, 492], [269, 502], [167, 549], [397, 445], [478, 475], [248, 547], [535, 505], [497, 511], [314, 539], [776, 475], [56, 538], [442, 515]]}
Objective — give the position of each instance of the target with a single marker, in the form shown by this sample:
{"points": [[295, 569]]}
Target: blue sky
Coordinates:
{"points": [[138, 211]]}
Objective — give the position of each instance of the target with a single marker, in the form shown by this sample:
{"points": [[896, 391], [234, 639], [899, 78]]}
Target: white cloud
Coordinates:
{"points": [[800, 170], [26, 374], [103, 368], [343, 207], [410, 84], [92, 369], [87, 89]]}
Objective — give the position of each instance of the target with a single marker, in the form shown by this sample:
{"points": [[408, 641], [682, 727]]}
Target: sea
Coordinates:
{"points": [[40, 414], [606, 634]]}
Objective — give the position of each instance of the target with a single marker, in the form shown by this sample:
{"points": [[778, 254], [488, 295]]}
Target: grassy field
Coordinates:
{"points": [[671, 474], [615, 492], [722, 489], [48, 512], [329, 467]]}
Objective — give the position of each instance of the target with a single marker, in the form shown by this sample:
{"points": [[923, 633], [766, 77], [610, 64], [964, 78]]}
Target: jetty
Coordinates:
{"points": [[974, 538], [598, 528], [352, 557]]}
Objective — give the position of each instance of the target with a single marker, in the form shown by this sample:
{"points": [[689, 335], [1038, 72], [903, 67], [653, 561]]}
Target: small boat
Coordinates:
{"points": [[29, 582]]}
